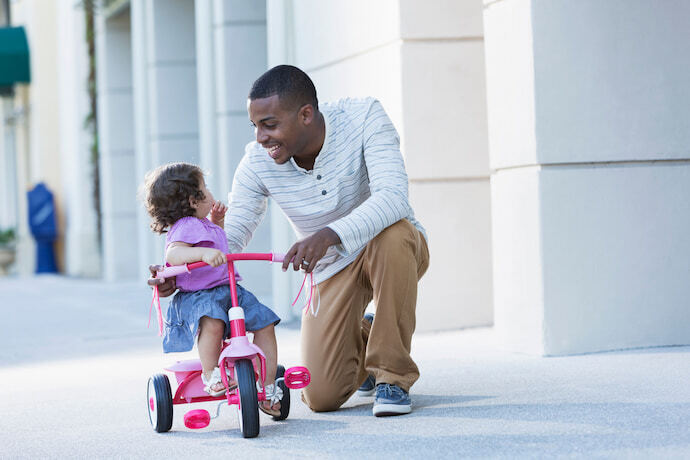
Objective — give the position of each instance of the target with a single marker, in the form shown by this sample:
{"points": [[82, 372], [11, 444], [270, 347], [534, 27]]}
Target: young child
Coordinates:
{"points": [[178, 202]]}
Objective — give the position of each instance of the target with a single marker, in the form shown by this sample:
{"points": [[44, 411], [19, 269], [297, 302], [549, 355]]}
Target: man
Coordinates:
{"points": [[337, 173]]}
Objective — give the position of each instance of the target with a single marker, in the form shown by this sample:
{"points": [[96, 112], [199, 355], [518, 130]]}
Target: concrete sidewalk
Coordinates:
{"points": [[75, 356]]}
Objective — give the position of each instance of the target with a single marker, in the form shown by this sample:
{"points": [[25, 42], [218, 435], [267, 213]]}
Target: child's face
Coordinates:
{"points": [[203, 207]]}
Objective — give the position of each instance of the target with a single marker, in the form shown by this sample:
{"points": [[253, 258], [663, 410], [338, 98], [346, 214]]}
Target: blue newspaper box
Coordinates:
{"points": [[43, 227]]}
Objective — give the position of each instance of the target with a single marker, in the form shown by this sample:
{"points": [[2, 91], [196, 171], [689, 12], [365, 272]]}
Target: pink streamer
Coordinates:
{"points": [[300, 289], [307, 305], [157, 301]]}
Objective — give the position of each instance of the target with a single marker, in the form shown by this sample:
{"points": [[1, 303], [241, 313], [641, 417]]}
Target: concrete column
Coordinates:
{"points": [[13, 186], [150, 245], [8, 160], [165, 99], [18, 134], [116, 145], [281, 50], [207, 96], [8, 169], [34, 122], [446, 151], [589, 128], [44, 136], [240, 57], [82, 252]]}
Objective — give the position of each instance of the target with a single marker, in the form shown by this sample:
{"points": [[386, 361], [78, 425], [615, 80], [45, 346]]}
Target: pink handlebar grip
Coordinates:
{"points": [[169, 272], [278, 257]]}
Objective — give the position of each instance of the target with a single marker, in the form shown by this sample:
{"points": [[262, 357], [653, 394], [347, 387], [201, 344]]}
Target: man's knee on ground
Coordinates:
{"points": [[326, 392], [320, 399]]}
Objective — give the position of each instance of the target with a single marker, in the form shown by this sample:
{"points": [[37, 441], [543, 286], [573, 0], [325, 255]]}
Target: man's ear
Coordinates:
{"points": [[306, 114]]}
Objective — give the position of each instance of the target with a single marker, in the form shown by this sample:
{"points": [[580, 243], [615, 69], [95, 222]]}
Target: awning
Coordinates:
{"points": [[14, 56]]}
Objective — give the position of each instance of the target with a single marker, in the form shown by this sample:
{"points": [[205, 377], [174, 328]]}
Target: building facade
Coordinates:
{"points": [[545, 143]]}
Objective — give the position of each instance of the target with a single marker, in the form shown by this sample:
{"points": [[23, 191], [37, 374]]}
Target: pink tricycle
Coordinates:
{"points": [[240, 359]]}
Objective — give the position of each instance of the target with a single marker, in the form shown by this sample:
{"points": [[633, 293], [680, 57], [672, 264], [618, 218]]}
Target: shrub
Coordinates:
{"points": [[7, 237]]}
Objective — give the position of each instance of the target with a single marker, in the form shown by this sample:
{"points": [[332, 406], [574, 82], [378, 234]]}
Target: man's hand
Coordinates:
{"points": [[218, 213], [165, 288], [307, 252]]}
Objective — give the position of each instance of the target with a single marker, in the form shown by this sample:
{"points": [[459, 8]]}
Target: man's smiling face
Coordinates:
{"points": [[278, 130]]}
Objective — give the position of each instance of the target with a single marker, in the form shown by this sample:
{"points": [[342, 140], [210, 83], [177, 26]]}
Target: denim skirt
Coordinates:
{"points": [[187, 308]]}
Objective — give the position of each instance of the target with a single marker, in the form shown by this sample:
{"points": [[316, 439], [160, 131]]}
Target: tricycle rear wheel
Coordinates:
{"points": [[248, 409], [285, 402], [159, 402]]}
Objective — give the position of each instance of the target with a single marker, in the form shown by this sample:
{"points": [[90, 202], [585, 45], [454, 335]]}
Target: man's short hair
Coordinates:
{"points": [[293, 87]]}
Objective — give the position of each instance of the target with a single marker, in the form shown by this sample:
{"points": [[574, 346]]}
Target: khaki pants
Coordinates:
{"points": [[338, 347]]}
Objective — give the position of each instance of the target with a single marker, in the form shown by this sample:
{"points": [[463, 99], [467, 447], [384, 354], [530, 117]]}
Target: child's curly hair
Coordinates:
{"points": [[167, 190]]}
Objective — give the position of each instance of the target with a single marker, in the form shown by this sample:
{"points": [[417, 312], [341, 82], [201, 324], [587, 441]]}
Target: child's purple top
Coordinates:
{"points": [[202, 233]]}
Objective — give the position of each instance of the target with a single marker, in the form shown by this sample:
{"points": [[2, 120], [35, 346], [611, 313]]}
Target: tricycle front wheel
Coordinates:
{"points": [[159, 402], [248, 409]]}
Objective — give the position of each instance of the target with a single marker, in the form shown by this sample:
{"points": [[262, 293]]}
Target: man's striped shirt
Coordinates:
{"points": [[358, 185]]}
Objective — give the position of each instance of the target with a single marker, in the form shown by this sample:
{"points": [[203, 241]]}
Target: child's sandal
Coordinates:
{"points": [[274, 394], [216, 381]]}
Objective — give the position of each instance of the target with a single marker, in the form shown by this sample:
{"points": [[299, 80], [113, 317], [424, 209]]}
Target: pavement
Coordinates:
{"points": [[75, 356]]}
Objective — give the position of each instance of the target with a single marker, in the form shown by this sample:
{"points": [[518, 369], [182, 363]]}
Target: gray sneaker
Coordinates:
{"points": [[367, 388], [391, 400], [369, 317]]}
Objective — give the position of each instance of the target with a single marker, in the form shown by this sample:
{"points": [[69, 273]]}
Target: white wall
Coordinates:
{"points": [[17, 130], [82, 253], [8, 170], [8, 167], [165, 101], [446, 152], [588, 138], [44, 135], [616, 256], [116, 146], [35, 124], [350, 51]]}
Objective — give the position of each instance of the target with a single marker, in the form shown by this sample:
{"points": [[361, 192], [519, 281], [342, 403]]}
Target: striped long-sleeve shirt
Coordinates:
{"points": [[358, 185]]}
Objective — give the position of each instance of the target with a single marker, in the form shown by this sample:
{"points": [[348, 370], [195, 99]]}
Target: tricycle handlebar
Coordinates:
{"points": [[174, 270]]}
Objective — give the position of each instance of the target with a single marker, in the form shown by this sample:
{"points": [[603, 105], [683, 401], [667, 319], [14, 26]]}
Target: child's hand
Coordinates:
{"points": [[214, 257], [218, 213]]}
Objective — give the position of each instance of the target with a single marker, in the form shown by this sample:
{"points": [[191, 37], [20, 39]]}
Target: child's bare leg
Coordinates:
{"points": [[266, 340], [211, 334]]}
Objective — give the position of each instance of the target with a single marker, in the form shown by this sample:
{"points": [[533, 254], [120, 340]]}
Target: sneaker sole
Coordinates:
{"points": [[384, 410], [365, 392]]}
